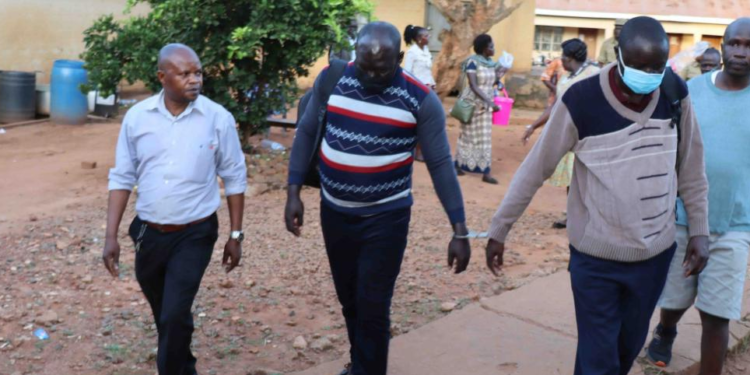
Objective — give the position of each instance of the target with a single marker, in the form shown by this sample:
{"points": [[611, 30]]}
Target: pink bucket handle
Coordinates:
{"points": [[506, 97], [505, 93]]}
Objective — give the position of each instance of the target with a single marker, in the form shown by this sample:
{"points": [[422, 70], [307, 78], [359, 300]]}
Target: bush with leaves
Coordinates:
{"points": [[252, 50]]}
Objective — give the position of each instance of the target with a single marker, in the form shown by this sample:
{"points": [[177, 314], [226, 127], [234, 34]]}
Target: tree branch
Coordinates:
{"points": [[467, 18], [452, 10], [502, 11]]}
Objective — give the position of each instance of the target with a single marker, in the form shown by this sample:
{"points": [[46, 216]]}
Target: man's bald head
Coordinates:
{"points": [[175, 51], [643, 31], [378, 55], [739, 26], [180, 73], [378, 38]]}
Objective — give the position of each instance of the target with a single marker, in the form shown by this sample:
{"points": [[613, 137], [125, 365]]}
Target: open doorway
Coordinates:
{"points": [[589, 36], [715, 41], [675, 44]]}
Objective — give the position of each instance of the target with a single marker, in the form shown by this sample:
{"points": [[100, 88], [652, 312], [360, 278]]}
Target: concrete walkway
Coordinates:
{"points": [[528, 331]]}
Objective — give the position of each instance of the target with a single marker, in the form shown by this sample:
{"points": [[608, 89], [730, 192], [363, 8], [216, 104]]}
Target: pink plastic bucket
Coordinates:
{"points": [[502, 117]]}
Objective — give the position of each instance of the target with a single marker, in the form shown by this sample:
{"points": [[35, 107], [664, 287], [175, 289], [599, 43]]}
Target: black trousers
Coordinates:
{"points": [[614, 304], [169, 268], [365, 255]]}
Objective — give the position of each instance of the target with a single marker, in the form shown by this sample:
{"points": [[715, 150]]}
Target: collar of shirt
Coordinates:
{"points": [[159, 105], [638, 107]]}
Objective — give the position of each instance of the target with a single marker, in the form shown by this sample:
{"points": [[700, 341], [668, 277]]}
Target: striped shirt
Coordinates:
{"points": [[366, 154]]}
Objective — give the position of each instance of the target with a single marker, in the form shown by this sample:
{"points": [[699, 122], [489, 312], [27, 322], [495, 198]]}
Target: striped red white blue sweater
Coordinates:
{"points": [[366, 155]]}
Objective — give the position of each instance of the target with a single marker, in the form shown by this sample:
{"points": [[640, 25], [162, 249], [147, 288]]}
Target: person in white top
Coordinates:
{"points": [[418, 62], [419, 59]]}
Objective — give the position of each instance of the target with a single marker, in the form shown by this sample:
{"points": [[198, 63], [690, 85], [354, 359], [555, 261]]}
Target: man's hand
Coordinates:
{"points": [[495, 107], [232, 255], [495, 252], [459, 252], [111, 256], [294, 212], [233, 248], [116, 203], [696, 256]]}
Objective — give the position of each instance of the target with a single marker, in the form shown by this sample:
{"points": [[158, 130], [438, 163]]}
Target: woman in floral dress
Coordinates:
{"points": [[474, 151]]}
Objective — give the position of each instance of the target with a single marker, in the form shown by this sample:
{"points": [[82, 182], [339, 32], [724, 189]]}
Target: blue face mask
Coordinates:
{"points": [[639, 81]]}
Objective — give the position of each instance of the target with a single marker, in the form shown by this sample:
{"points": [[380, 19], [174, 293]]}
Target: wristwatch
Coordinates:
{"points": [[237, 235]]}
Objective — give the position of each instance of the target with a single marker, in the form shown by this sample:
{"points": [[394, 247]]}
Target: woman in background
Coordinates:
{"points": [[418, 59], [575, 61], [418, 62], [474, 150]]}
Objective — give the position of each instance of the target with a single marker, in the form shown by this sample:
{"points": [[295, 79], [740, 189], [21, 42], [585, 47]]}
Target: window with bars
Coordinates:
{"points": [[548, 39]]}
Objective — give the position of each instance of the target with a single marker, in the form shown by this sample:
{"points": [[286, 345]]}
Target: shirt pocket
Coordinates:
{"points": [[202, 154], [149, 146]]}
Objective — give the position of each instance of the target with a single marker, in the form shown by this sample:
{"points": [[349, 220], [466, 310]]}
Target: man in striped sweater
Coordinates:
{"points": [[376, 115]]}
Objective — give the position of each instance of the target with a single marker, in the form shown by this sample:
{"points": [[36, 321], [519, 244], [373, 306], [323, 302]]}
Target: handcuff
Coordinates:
{"points": [[471, 235]]}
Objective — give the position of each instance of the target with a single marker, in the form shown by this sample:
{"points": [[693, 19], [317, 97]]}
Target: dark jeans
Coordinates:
{"points": [[365, 255], [169, 268], [614, 303]]}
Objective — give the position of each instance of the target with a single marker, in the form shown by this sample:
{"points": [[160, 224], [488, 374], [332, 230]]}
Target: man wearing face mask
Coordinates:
{"points": [[375, 116], [628, 171]]}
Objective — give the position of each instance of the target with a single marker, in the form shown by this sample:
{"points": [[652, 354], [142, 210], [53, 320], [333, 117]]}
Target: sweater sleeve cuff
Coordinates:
{"points": [[457, 216], [296, 178], [498, 232], [698, 227]]}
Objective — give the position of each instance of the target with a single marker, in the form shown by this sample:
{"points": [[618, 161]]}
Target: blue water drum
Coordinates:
{"points": [[68, 105]]}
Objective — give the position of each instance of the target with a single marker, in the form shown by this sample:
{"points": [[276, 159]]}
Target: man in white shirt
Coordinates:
{"points": [[172, 146]]}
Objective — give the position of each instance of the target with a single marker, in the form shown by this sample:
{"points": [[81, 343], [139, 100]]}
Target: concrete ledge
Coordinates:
{"points": [[528, 331], [473, 341]]}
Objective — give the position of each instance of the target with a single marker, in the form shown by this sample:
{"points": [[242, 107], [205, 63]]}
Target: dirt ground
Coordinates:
{"points": [[738, 363], [52, 216]]}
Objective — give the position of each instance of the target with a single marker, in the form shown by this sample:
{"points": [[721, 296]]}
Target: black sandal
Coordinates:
{"points": [[659, 350], [562, 224], [490, 180]]}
